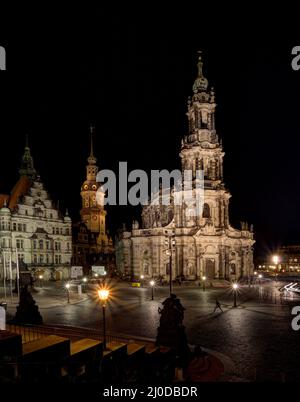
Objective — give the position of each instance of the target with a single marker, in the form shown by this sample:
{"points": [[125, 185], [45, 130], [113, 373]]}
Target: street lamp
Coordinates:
{"points": [[259, 277], [41, 278], [276, 261], [170, 245], [203, 283], [235, 288], [142, 280], [84, 280], [68, 291], [103, 296], [152, 283]]}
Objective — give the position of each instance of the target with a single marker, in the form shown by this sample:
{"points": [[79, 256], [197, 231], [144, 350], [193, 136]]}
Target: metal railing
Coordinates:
{"points": [[33, 332]]}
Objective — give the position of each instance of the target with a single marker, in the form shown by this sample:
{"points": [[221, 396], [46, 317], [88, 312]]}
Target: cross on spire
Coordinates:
{"points": [[92, 129], [200, 64]]}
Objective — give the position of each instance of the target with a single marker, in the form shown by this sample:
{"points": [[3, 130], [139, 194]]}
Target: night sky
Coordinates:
{"points": [[131, 76]]}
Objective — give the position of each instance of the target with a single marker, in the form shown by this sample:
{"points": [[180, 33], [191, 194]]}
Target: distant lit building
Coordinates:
{"points": [[91, 243], [288, 260], [33, 232]]}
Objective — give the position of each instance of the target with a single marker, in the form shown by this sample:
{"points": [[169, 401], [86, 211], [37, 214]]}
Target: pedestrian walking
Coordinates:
{"points": [[218, 306]]}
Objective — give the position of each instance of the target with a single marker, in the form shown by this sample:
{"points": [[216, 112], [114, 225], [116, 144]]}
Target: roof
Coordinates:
{"points": [[20, 189]]}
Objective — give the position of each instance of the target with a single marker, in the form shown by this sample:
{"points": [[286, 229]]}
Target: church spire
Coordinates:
{"points": [[27, 166], [92, 145], [92, 160]]}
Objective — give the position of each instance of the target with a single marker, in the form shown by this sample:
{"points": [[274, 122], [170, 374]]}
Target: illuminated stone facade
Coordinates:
{"points": [[205, 244], [33, 232], [91, 242]]}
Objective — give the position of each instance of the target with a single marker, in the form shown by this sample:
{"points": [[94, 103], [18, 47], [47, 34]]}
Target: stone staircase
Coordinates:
{"points": [[67, 357]]}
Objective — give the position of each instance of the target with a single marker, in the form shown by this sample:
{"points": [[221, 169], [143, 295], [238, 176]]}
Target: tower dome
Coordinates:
{"points": [[67, 217], [5, 211]]}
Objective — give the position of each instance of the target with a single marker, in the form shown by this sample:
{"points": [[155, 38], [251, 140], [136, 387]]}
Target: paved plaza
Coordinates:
{"points": [[256, 336]]}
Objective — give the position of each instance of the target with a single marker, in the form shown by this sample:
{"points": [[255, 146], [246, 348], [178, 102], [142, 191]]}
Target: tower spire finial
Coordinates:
{"points": [[92, 128], [92, 160], [200, 64], [201, 82]]}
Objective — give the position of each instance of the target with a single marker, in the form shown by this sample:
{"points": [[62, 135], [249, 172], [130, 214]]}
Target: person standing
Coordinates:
{"points": [[218, 306]]}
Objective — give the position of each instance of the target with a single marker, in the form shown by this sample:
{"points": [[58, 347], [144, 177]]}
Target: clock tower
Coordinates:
{"points": [[92, 212]]}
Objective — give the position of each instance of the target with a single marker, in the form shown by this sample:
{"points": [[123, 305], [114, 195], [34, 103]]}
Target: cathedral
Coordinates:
{"points": [[91, 242], [34, 235], [172, 239]]}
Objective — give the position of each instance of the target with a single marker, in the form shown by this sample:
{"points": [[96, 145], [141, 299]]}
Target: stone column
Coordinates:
{"points": [[202, 268], [221, 262], [226, 258], [198, 265], [226, 213], [243, 266], [217, 268], [136, 260]]}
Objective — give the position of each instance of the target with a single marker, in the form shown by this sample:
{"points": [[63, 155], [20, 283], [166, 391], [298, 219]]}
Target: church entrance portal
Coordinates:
{"points": [[210, 268]]}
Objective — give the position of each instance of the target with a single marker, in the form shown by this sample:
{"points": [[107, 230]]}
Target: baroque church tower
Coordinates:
{"points": [[92, 212], [202, 150], [204, 242]]}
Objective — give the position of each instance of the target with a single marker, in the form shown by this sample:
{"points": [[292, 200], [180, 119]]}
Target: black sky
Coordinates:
{"points": [[130, 75]]}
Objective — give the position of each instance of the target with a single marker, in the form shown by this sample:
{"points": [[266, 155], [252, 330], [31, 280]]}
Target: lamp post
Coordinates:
{"points": [[259, 277], [235, 288], [255, 276], [203, 283], [170, 245], [142, 280], [41, 280], [103, 296], [276, 260], [68, 291], [84, 280], [152, 283]]}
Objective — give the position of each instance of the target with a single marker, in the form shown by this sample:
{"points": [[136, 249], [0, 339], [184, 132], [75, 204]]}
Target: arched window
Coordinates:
{"points": [[206, 211], [232, 269]]}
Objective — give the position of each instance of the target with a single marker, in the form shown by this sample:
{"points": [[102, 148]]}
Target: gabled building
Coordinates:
{"points": [[33, 232]]}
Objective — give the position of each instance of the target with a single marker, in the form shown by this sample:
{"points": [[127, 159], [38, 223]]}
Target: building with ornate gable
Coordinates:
{"points": [[34, 235]]}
